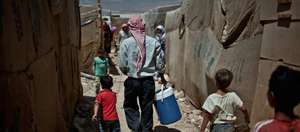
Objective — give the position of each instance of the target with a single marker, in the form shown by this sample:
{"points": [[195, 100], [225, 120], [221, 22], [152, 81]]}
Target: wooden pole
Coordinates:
{"points": [[100, 23]]}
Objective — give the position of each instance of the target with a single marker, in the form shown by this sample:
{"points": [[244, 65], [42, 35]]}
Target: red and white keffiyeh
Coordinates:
{"points": [[137, 29]]}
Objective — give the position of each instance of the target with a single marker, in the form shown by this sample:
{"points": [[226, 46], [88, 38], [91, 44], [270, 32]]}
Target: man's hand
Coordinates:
{"points": [[163, 80]]}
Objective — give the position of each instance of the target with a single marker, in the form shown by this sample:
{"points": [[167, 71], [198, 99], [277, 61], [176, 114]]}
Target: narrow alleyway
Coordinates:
{"points": [[190, 118], [45, 45]]}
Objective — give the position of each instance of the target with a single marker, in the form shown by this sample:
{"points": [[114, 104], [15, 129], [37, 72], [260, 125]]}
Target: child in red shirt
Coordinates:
{"points": [[106, 99], [283, 96]]}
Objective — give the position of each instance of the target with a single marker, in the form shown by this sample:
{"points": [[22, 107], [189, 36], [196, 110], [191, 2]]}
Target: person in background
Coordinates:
{"points": [[283, 95], [113, 37], [220, 106], [107, 34], [106, 100], [108, 22], [100, 66], [160, 36], [123, 34], [139, 59]]}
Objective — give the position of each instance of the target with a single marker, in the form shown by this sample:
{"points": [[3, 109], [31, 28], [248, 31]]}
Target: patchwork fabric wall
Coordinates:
{"points": [[39, 69], [250, 38]]}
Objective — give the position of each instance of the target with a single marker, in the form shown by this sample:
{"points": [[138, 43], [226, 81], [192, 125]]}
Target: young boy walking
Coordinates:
{"points": [[100, 66], [105, 104], [220, 106]]}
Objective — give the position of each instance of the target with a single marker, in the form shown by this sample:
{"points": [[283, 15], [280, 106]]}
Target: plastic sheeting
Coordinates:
{"points": [[198, 51], [156, 17], [39, 69], [247, 37], [280, 46]]}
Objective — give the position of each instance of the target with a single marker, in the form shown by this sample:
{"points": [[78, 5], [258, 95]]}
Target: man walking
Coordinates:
{"points": [[139, 59]]}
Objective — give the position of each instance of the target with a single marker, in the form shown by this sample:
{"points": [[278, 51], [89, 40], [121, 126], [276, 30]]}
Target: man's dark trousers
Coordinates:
{"points": [[144, 90]]}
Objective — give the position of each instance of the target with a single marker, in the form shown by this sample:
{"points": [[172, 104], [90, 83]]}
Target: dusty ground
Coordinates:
{"points": [[190, 116]]}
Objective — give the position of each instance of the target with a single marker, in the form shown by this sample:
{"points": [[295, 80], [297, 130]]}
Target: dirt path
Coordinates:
{"points": [[186, 124]]}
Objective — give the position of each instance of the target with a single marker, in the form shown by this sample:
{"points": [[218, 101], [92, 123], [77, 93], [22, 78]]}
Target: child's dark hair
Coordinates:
{"points": [[284, 85], [223, 78], [106, 82]]}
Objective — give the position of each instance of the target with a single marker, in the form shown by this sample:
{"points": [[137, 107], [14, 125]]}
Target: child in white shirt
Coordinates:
{"points": [[220, 106]]}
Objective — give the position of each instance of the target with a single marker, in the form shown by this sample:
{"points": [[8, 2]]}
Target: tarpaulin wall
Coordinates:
{"points": [[39, 69], [156, 17], [248, 37], [90, 38], [203, 40], [280, 46], [89, 45]]}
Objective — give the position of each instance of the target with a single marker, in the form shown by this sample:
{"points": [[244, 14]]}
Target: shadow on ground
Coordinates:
{"points": [[82, 118], [165, 129], [112, 68]]}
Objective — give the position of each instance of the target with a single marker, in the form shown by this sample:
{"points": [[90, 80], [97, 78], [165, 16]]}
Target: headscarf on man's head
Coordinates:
{"points": [[137, 29], [163, 31], [161, 27]]}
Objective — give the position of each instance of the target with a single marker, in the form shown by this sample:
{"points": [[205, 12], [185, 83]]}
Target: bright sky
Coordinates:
{"points": [[125, 6]]}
